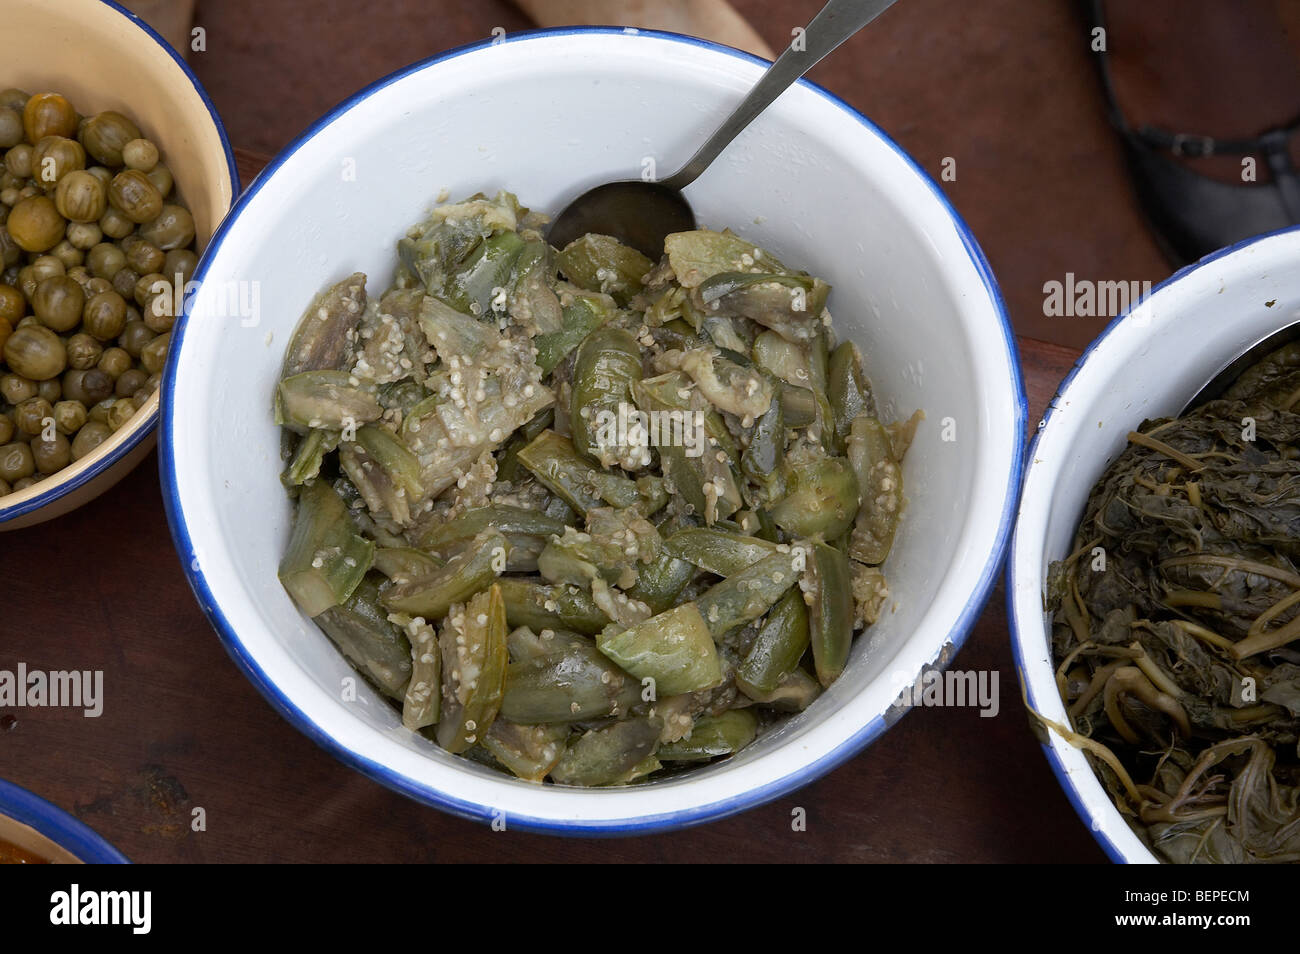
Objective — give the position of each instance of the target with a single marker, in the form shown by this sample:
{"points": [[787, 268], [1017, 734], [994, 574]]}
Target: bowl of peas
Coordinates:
{"points": [[109, 191]]}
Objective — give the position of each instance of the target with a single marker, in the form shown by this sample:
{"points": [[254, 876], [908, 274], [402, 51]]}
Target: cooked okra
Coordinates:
{"points": [[583, 517]]}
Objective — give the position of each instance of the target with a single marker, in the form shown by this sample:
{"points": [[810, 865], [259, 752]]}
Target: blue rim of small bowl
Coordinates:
{"points": [[139, 434], [642, 824], [58, 826], [1018, 635]]}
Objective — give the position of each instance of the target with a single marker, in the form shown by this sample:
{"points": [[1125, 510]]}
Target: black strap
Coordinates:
{"points": [[1272, 143]]}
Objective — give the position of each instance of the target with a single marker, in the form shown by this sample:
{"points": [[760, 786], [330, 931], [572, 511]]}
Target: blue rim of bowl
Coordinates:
{"points": [[1019, 634], [641, 824], [58, 826], [142, 433]]}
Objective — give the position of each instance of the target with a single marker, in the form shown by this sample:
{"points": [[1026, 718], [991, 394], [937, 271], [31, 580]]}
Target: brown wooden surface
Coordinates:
{"points": [[1004, 87]]}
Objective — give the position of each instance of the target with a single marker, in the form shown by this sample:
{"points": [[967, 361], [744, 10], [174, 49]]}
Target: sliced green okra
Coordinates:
{"points": [[727, 385], [745, 596], [326, 558], [320, 342], [608, 756], [325, 399], [675, 649], [712, 736], [821, 495], [470, 571], [662, 581], [775, 652], [762, 460], [848, 389], [361, 630], [795, 692], [700, 254], [719, 551], [519, 524], [529, 752], [308, 456], [604, 264], [544, 606], [787, 360], [583, 314], [533, 304], [553, 461], [880, 483], [485, 274], [474, 662], [827, 585], [403, 564], [423, 700], [384, 471], [608, 363], [567, 680]]}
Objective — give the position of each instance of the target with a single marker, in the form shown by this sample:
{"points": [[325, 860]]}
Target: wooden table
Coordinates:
{"points": [[102, 588]]}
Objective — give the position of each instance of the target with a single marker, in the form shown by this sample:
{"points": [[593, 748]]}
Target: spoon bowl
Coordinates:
{"points": [[638, 214]]}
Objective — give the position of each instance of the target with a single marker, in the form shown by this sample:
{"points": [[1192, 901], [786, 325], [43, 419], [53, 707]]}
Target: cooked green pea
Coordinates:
{"points": [[48, 114], [124, 282], [154, 355], [91, 435], [115, 224], [182, 262], [59, 303], [18, 161], [89, 386], [130, 382], [84, 235], [83, 351], [161, 177], [69, 416], [15, 388], [142, 254], [104, 315], [54, 158], [115, 362], [15, 99], [134, 337], [53, 455], [173, 228], [50, 390], [120, 413], [136, 196], [35, 352], [106, 135], [35, 224], [16, 462], [105, 260], [140, 154], [81, 197], [6, 428], [11, 127]]}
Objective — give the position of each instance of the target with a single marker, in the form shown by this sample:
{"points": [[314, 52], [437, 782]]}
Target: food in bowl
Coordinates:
{"points": [[1176, 626], [584, 516], [94, 243]]}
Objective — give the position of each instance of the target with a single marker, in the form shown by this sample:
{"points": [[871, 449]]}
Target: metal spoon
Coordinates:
{"points": [[1252, 355], [641, 214]]}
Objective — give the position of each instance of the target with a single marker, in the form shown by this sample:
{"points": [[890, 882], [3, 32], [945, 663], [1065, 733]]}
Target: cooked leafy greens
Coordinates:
{"points": [[1176, 626]]}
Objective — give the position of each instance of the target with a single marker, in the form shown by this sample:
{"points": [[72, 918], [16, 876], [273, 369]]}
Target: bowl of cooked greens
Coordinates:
{"points": [[35, 832], [116, 171], [579, 539], [1152, 581]]}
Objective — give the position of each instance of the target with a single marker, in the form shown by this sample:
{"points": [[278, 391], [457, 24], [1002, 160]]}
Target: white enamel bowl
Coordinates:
{"points": [[1149, 363], [548, 115], [102, 56]]}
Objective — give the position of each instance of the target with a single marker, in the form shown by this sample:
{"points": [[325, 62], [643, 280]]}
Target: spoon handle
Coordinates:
{"points": [[836, 22]]}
